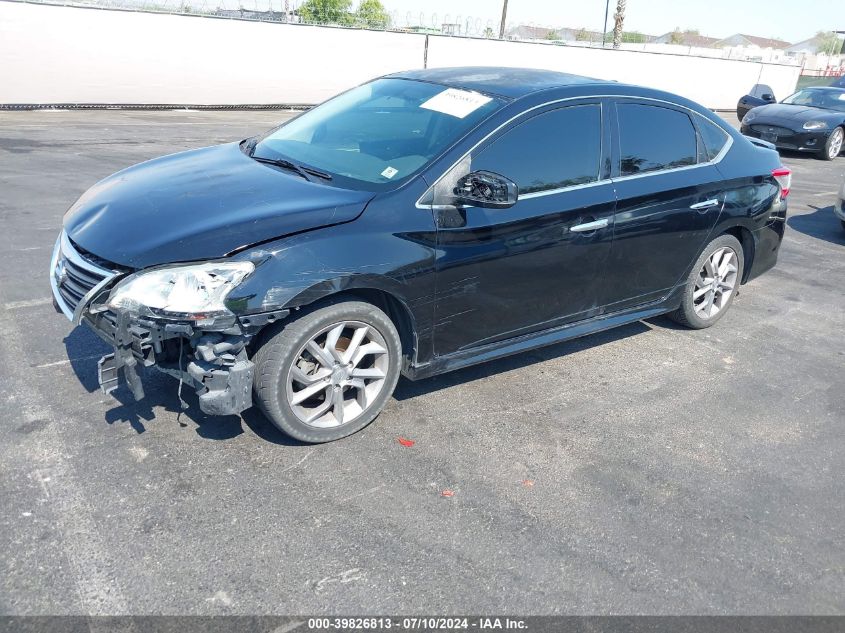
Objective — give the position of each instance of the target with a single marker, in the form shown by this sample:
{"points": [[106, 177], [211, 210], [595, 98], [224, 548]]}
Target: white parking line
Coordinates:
{"points": [[92, 564], [66, 361], [27, 303]]}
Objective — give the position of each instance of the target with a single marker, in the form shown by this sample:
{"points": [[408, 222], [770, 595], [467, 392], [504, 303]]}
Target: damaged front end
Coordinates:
{"points": [[215, 364], [209, 352]]}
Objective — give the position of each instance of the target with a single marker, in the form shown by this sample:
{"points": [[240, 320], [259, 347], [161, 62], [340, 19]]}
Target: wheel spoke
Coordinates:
{"points": [[331, 341], [311, 390], [708, 266], [355, 343], [370, 373], [700, 292], [337, 405], [370, 348], [321, 355], [726, 261], [308, 379], [708, 309], [361, 392]]}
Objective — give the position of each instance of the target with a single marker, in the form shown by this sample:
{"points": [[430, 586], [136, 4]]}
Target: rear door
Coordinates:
{"points": [[669, 195]]}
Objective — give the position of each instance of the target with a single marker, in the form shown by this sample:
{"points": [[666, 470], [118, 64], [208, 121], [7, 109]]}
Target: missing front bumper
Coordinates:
{"points": [[215, 364]]}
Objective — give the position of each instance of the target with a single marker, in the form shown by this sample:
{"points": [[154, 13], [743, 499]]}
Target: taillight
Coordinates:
{"points": [[784, 177]]}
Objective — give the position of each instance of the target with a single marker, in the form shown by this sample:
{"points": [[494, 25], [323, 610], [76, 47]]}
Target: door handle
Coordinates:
{"points": [[590, 226], [707, 204]]}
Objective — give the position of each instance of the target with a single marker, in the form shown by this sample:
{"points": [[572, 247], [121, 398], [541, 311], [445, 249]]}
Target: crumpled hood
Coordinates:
{"points": [[201, 204], [780, 113]]}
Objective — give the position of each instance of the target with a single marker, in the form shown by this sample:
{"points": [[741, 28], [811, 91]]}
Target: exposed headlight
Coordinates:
{"points": [[194, 292], [749, 116], [815, 125]]}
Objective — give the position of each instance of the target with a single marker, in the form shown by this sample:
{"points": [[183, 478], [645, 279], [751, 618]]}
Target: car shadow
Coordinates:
{"points": [[83, 347], [821, 224], [162, 390], [408, 389]]}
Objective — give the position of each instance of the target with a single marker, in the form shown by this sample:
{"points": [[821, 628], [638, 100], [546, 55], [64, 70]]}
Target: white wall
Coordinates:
{"points": [[715, 83], [55, 54]]}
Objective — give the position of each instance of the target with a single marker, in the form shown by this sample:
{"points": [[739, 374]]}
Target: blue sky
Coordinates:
{"points": [[792, 20]]}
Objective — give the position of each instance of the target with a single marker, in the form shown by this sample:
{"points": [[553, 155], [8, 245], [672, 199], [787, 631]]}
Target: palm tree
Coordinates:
{"points": [[620, 19]]}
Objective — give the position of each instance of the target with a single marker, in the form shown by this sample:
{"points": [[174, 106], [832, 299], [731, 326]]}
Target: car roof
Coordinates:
{"points": [[825, 88], [506, 82]]}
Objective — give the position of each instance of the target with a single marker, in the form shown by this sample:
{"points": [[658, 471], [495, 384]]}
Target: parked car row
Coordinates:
{"points": [[810, 120]]}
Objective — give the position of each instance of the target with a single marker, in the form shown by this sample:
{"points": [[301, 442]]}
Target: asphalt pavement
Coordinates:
{"points": [[648, 470]]}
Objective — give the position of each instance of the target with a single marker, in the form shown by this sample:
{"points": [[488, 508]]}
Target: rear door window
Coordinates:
{"points": [[653, 138]]}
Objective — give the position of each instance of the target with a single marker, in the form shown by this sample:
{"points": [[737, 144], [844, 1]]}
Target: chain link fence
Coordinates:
{"points": [[368, 14], [372, 14]]}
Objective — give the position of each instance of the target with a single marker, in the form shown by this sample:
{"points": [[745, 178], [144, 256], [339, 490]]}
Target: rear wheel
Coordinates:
{"points": [[834, 143], [329, 373], [712, 284]]}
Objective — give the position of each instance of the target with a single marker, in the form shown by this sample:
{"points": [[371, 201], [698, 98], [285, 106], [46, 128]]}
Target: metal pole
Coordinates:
{"points": [[606, 11], [505, 17]]}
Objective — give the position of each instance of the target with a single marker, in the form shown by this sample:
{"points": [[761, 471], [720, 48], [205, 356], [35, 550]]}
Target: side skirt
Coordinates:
{"points": [[482, 354]]}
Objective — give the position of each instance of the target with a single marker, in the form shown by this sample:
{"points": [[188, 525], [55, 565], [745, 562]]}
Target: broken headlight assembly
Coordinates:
{"points": [[194, 292]]}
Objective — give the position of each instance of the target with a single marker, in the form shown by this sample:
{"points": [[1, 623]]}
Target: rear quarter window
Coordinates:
{"points": [[713, 136]]}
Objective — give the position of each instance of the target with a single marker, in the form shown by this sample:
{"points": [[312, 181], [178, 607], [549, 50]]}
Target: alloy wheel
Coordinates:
{"points": [[337, 374], [836, 139], [715, 283]]}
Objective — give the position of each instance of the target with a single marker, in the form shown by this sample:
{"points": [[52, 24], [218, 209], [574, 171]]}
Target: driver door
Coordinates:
{"points": [[506, 272]]}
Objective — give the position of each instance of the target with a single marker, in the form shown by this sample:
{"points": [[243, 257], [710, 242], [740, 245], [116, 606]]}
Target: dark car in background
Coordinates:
{"points": [[760, 94], [416, 224], [810, 120]]}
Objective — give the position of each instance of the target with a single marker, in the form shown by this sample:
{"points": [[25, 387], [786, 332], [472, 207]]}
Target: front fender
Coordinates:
{"points": [[387, 251]]}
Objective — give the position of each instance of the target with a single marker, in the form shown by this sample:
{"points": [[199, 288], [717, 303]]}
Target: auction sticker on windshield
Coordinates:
{"points": [[457, 103]]}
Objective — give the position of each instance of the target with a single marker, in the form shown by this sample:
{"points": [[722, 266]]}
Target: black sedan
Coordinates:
{"points": [[811, 120], [416, 224]]}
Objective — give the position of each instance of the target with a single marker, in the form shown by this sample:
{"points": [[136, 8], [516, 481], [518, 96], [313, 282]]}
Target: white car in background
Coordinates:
{"points": [[839, 207]]}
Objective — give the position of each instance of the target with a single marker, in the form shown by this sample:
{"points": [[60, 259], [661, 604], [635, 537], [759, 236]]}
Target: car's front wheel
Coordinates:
{"points": [[712, 285], [328, 373], [834, 143]]}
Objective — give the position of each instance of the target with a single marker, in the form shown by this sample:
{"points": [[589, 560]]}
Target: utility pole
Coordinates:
{"points": [[504, 18], [606, 11]]}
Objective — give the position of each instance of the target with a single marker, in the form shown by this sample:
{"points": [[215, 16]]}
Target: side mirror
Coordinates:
{"points": [[486, 189], [768, 97]]}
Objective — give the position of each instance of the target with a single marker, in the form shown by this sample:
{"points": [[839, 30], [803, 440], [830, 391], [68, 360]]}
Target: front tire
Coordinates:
{"points": [[328, 373], [833, 146], [712, 285]]}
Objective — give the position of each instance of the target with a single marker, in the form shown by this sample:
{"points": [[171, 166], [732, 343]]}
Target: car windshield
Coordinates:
{"points": [[379, 134], [827, 99]]}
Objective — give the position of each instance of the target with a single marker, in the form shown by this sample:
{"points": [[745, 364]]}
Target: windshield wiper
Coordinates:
{"points": [[302, 170], [284, 164]]}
